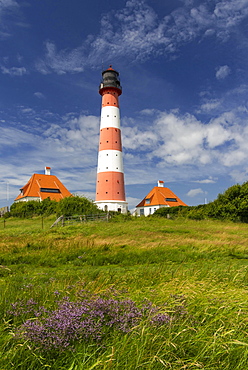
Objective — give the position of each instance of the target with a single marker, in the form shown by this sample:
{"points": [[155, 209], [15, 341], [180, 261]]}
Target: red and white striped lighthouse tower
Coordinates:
{"points": [[110, 189]]}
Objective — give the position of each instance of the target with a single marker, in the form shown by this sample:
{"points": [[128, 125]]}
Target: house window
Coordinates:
{"points": [[150, 211], [142, 212], [49, 190], [171, 199]]}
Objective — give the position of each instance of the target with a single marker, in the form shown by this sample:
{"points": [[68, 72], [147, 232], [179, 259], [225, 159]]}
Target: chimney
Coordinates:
{"points": [[160, 184], [47, 170]]}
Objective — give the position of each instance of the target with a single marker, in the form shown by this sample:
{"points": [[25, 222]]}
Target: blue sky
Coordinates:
{"points": [[183, 69]]}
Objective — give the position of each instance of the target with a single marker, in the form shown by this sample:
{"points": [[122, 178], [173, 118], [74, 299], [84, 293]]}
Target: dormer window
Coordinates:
{"points": [[148, 201], [171, 199], [49, 190]]}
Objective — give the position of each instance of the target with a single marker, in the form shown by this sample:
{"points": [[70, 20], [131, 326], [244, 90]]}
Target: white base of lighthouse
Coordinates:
{"points": [[111, 205]]}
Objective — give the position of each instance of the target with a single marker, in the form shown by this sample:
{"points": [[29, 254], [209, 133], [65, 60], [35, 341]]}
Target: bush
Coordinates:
{"points": [[26, 209], [76, 206], [231, 205], [172, 211], [68, 206]]}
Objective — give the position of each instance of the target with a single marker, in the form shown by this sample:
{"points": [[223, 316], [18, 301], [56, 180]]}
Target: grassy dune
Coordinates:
{"points": [[193, 272]]}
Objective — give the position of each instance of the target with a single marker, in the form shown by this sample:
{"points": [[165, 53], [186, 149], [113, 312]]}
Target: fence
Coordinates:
{"points": [[63, 220]]}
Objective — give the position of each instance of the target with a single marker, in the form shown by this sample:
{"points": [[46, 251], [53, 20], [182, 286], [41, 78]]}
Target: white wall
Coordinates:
{"points": [[148, 210]]}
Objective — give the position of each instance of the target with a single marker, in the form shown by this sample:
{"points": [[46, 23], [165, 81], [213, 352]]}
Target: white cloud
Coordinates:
{"points": [[39, 95], [222, 72], [138, 33], [209, 105], [194, 192], [185, 143], [217, 135], [210, 180], [14, 71], [6, 7], [239, 175], [61, 62]]}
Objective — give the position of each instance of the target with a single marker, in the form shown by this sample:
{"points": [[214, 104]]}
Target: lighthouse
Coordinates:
{"points": [[110, 188]]}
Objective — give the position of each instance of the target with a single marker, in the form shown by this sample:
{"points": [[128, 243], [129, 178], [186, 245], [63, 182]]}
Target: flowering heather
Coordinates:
{"points": [[84, 320]]}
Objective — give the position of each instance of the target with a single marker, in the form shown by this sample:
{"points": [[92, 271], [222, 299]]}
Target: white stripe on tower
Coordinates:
{"points": [[110, 189]]}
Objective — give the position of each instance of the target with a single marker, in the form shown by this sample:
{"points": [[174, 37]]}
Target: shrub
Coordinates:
{"points": [[76, 205], [231, 205], [33, 208]]}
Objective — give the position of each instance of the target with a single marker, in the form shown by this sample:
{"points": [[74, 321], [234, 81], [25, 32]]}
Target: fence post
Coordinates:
{"points": [[4, 222]]}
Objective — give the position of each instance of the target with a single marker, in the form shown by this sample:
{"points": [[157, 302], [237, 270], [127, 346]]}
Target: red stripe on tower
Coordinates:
{"points": [[110, 188]]}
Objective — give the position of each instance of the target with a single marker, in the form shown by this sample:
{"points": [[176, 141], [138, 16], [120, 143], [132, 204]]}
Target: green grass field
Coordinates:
{"points": [[193, 271]]}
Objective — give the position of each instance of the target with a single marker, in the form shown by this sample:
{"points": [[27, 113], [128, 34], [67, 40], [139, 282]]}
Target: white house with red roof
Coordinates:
{"points": [[42, 186], [157, 198]]}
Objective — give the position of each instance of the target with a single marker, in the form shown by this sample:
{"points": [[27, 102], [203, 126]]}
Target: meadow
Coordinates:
{"points": [[131, 293]]}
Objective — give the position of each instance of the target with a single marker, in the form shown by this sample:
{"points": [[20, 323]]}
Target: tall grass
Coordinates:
{"points": [[195, 271]]}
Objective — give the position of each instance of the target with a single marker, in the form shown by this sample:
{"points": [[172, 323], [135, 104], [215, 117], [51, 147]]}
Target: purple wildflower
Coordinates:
{"points": [[160, 319], [91, 318]]}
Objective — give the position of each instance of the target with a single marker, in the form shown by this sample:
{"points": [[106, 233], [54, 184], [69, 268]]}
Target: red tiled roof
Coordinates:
{"points": [[45, 182], [160, 196]]}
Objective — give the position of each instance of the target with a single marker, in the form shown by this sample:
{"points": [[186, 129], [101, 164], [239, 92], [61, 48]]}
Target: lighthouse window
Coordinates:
{"points": [[106, 180], [117, 168], [107, 115], [106, 168], [106, 192], [118, 192]]}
